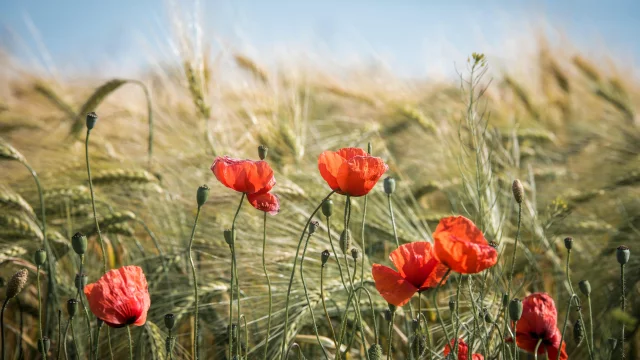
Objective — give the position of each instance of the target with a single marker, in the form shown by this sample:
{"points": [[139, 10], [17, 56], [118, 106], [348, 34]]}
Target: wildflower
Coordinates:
{"points": [[418, 270], [463, 350], [246, 176], [351, 171], [460, 245], [538, 321], [266, 202], [120, 297]]}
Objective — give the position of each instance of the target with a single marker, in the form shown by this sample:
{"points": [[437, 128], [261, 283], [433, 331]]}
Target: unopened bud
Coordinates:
{"points": [[585, 287], [375, 352], [40, 257], [354, 253], [72, 307], [169, 321], [327, 207], [568, 243], [369, 148], [79, 243], [17, 283], [229, 236], [202, 195], [262, 152], [623, 254], [324, 257], [518, 191], [92, 118], [345, 241], [313, 226], [515, 309], [389, 185]]}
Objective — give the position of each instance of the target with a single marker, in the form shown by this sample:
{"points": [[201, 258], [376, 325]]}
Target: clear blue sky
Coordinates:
{"points": [[411, 36]]}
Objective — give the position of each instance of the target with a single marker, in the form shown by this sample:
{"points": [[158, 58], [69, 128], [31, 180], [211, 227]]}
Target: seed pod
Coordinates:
{"points": [[229, 236], [515, 309], [568, 243], [313, 226], [79, 243], [72, 307], [202, 195], [578, 332], [345, 241], [518, 191], [354, 253], [169, 321], [389, 185], [327, 208], [17, 283], [92, 118], [452, 305], [262, 152], [324, 257], [81, 281], [585, 287], [375, 352], [623, 254], [40, 257], [43, 345]]}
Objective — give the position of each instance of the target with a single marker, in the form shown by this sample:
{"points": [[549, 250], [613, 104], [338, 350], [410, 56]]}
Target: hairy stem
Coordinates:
{"points": [[393, 316], [623, 303], [196, 350], [130, 342], [324, 306], [266, 274]]}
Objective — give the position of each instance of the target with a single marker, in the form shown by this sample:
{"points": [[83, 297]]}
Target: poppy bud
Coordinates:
{"points": [[43, 345], [92, 118], [229, 236], [505, 300], [79, 243], [613, 343], [518, 191], [313, 226], [387, 315], [72, 307], [40, 257], [585, 287], [389, 185], [324, 257], [515, 309], [202, 195], [169, 321], [327, 207], [81, 281], [354, 253], [578, 332], [17, 283], [262, 152], [392, 308], [622, 254], [345, 240], [375, 352], [452, 305], [568, 243]]}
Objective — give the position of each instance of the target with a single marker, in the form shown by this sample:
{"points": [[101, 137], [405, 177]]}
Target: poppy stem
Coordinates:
{"points": [[429, 340], [577, 301], [393, 316], [64, 339], [41, 343], [457, 315], [324, 306], [435, 303], [535, 352], [230, 327], [4, 305], [59, 333], [293, 271], [93, 203], [266, 274], [86, 315], [623, 302], [73, 336], [130, 341], [97, 340], [235, 264], [196, 351], [515, 341], [109, 342]]}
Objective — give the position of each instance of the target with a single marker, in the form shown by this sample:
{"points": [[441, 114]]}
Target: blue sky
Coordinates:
{"points": [[412, 37]]}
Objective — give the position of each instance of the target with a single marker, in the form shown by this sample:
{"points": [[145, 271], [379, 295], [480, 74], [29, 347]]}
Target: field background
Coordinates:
{"points": [[561, 120]]}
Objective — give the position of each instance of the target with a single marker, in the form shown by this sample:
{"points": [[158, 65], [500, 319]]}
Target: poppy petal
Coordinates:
{"points": [[245, 176], [462, 256], [350, 153], [416, 263], [461, 228], [393, 287], [357, 176], [267, 202], [328, 164]]}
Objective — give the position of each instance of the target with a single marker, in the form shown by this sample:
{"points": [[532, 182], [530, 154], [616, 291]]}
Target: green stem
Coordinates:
{"points": [[39, 308], [73, 336], [93, 204], [230, 327], [324, 306], [59, 333], [513, 265], [393, 316], [457, 315], [622, 307], [535, 352], [64, 339], [266, 274], [86, 315], [97, 340], [591, 322], [564, 326], [293, 271], [515, 341], [196, 350], [109, 342], [435, 303], [4, 305], [235, 264], [130, 342]]}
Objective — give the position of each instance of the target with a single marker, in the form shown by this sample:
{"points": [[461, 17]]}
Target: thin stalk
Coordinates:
{"points": [[73, 336], [513, 265], [435, 302], [93, 204], [235, 264], [86, 316], [591, 322], [429, 340], [130, 342], [457, 315], [393, 316], [4, 305], [109, 342], [39, 308], [97, 341], [515, 342], [623, 304], [293, 271], [266, 274], [19, 348], [535, 352], [564, 326], [66, 331], [577, 301], [196, 350], [59, 333], [324, 306], [230, 326]]}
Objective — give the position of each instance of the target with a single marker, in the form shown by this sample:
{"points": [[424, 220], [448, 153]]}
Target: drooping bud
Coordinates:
{"points": [[92, 118], [389, 185], [229, 236], [623, 254], [568, 243], [81, 281], [313, 226], [452, 305], [327, 207], [345, 241], [585, 287], [518, 191], [72, 307], [354, 253], [17, 283], [202, 195], [578, 332], [515, 309], [324, 257], [169, 321], [262, 152], [79, 243], [40, 257], [44, 344], [375, 352]]}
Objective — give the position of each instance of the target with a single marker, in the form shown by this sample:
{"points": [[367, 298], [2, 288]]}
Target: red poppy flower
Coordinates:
{"points": [[463, 351], [418, 270], [460, 245], [538, 321], [266, 202], [246, 176], [351, 171], [120, 297]]}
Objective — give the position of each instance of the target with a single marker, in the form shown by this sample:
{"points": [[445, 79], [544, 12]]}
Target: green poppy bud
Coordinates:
{"points": [[324, 257], [72, 307], [568, 243], [345, 241], [585, 287], [262, 152], [389, 185], [518, 191], [79, 243], [327, 208], [169, 321], [452, 305], [92, 118], [229, 236], [313, 226], [354, 253], [375, 352], [622, 254], [40, 257], [202, 195], [515, 309], [578, 332], [81, 281], [44, 344]]}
